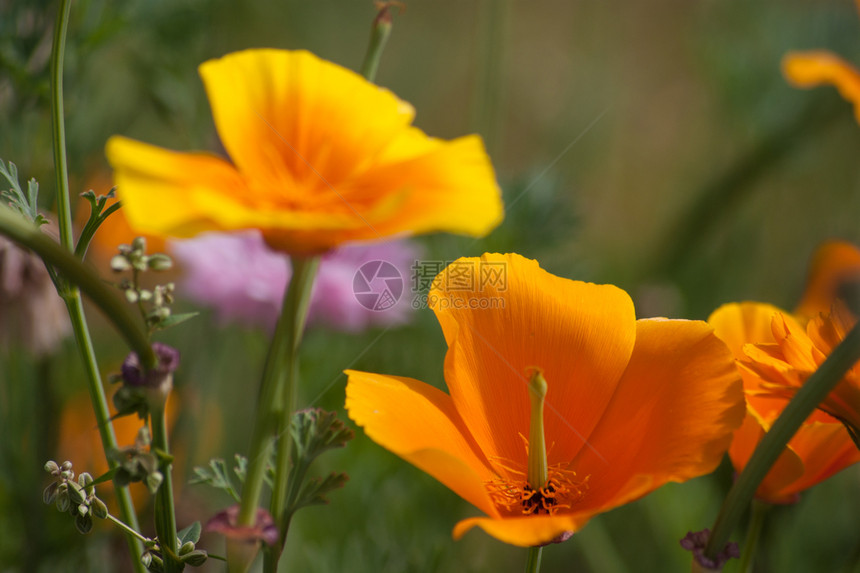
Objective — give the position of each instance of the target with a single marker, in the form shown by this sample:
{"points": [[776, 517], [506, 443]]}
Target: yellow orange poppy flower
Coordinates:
{"points": [[816, 67], [627, 405], [784, 365], [822, 446], [318, 157]]}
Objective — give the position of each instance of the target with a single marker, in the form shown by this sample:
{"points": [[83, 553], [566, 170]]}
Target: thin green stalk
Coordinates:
{"points": [[297, 301], [165, 512], [492, 25], [533, 561], [759, 511], [772, 444], [293, 315], [73, 297], [102, 413], [126, 528], [379, 32], [64, 211]]}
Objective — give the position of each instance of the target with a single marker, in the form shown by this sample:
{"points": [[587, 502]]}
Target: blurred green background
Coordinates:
{"points": [[653, 145]]}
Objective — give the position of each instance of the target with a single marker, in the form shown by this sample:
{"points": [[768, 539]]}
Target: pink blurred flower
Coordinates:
{"points": [[239, 276]]}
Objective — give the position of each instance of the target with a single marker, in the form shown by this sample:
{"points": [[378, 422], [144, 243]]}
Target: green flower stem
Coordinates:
{"points": [[63, 254], [816, 388], [297, 303], [277, 391], [759, 511], [100, 407], [379, 32], [128, 530], [533, 561], [165, 513], [103, 296], [64, 211]]}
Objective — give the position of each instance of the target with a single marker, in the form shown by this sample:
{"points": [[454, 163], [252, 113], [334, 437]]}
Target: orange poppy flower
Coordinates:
{"points": [[784, 365], [817, 67], [318, 157], [622, 405], [822, 446]]}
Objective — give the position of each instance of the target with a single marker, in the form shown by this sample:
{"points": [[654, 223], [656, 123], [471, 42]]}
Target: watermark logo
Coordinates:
{"points": [[377, 285]]}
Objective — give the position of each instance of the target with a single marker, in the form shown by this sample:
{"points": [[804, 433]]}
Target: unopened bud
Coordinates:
{"points": [[119, 263], [159, 262]]}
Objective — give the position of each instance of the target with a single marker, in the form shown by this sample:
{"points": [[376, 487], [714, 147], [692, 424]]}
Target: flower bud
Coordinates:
{"points": [[119, 263], [159, 262], [99, 508], [49, 496], [187, 547], [196, 558]]}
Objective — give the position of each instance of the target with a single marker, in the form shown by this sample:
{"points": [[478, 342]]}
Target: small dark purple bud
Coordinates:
{"points": [[696, 541], [168, 362]]}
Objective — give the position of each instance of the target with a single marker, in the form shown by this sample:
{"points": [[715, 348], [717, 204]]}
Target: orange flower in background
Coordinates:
{"points": [[318, 157], [817, 67], [833, 272], [554, 378], [784, 365], [788, 355], [819, 449]]}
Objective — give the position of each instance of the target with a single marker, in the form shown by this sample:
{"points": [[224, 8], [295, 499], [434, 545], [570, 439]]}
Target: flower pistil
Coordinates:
{"points": [[546, 489]]}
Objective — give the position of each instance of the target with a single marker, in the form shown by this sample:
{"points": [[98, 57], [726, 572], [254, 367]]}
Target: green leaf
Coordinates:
{"points": [[190, 533], [314, 490], [107, 476], [26, 205], [216, 475], [315, 431], [174, 319]]}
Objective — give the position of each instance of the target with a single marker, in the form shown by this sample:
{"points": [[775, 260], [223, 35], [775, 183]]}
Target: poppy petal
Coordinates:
{"points": [[419, 423], [500, 325], [527, 531], [825, 448], [452, 188], [738, 324], [171, 193], [813, 68], [679, 402], [291, 113]]}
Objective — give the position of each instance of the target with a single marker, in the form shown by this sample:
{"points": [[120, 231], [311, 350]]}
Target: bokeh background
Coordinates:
{"points": [[652, 145]]}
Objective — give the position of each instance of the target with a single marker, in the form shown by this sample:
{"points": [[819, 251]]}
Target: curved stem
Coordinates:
{"points": [[533, 561], [73, 298], [816, 388], [103, 296]]}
